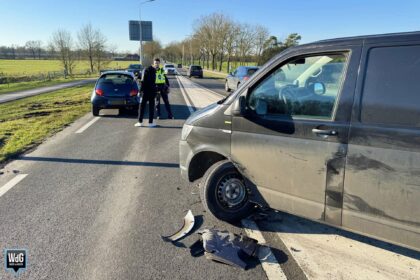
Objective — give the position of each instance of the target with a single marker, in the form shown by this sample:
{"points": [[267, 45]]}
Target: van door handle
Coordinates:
{"points": [[325, 132]]}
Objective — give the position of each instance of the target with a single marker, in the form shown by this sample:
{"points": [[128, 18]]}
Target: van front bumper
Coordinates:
{"points": [[185, 156]]}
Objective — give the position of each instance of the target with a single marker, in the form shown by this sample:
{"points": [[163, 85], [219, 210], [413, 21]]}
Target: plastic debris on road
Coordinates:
{"points": [[227, 247], [184, 230]]}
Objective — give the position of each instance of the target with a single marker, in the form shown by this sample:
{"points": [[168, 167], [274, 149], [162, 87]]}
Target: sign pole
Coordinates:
{"points": [[140, 39]]}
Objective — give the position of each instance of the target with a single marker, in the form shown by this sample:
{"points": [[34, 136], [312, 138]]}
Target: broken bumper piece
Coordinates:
{"points": [[184, 230], [227, 247]]}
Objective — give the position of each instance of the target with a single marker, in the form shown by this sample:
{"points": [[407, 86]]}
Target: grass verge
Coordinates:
{"points": [[27, 122], [12, 87], [209, 74]]}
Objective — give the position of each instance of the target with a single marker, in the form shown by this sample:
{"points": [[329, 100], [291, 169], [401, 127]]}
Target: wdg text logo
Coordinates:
{"points": [[15, 260]]}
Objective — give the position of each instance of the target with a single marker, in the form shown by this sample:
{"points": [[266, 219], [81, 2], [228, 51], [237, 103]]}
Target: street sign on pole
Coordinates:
{"points": [[146, 30]]}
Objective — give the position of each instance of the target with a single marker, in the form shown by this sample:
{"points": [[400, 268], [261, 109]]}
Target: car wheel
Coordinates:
{"points": [[227, 87], [134, 111], [95, 111], [224, 194]]}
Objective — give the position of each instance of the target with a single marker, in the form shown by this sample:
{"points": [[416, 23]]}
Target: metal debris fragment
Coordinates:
{"points": [[184, 230]]}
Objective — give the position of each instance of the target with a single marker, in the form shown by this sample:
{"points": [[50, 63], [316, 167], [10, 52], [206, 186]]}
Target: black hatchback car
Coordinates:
{"points": [[115, 90]]}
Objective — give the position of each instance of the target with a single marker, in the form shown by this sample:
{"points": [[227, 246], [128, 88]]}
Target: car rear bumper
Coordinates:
{"points": [[114, 102], [196, 73]]}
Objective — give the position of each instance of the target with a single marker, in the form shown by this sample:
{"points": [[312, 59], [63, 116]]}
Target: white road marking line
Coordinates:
{"points": [[86, 126], [12, 183], [268, 261], [184, 94]]}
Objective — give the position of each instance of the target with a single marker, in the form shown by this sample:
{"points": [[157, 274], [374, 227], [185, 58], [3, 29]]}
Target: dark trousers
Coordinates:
{"points": [[165, 98], [147, 98]]}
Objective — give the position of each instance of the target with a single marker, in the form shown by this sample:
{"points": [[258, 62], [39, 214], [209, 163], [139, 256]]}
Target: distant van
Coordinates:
{"points": [[329, 131]]}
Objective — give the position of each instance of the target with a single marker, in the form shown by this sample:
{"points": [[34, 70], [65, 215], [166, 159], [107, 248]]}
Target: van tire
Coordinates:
{"points": [[210, 194], [95, 111]]}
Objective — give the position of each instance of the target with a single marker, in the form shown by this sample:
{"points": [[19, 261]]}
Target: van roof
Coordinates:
{"points": [[389, 37]]}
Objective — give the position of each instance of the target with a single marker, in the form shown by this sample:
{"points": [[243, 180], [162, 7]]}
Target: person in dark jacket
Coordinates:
{"points": [[149, 91]]}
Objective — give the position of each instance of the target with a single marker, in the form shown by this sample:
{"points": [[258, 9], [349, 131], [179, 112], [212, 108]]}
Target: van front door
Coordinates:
{"points": [[292, 140]]}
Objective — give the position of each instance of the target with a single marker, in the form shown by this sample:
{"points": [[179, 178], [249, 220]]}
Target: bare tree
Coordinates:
{"points": [[87, 40], [152, 49], [261, 36], [245, 42], [63, 44], [34, 47], [100, 51]]}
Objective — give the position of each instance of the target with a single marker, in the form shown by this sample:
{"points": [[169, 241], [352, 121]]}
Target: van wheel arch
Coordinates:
{"points": [[201, 162]]}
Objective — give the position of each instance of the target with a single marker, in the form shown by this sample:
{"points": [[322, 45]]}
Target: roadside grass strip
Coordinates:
{"points": [[13, 87], [27, 122]]}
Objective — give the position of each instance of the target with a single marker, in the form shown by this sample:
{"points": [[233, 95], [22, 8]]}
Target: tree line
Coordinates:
{"points": [[217, 42]]}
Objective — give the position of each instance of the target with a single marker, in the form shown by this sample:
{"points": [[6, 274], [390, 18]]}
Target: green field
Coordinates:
{"points": [[27, 122], [11, 67]]}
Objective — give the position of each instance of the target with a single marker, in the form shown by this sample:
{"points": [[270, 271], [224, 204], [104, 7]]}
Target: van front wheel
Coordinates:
{"points": [[224, 194]]}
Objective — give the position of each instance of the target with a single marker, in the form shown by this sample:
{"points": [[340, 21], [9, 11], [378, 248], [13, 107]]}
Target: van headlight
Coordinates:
{"points": [[186, 129]]}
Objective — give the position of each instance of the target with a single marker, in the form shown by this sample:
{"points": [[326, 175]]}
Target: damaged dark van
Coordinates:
{"points": [[329, 131]]}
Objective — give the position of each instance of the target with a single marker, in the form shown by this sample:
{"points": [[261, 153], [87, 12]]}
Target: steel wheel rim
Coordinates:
{"points": [[231, 192]]}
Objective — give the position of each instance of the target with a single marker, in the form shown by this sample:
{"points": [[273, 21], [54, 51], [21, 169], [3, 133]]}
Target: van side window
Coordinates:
{"points": [[391, 92], [306, 87]]}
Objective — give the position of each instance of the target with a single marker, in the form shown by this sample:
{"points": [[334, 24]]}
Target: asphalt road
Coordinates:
{"points": [[95, 204], [214, 84], [7, 97]]}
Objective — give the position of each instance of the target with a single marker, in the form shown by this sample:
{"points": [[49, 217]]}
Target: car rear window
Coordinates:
{"points": [[195, 67], [116, 80], [170, 66], [135, 66], [251, 71]]}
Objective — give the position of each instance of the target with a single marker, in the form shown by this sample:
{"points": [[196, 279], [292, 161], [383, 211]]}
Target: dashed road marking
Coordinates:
{"points": [[86, 126], [12, 183], [268, 261]]}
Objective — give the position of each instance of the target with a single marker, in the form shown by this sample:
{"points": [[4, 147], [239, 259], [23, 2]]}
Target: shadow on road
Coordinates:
{"points": [[180, 112], [102, 162], [280, 222]]}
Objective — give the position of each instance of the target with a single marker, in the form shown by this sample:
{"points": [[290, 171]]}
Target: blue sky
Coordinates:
{"points": [[23, 20]]}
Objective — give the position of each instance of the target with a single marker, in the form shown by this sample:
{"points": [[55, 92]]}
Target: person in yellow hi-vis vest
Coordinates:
{"points": [[162, 84]]}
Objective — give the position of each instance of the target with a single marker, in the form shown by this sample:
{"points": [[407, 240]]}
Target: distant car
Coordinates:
{"points": [[241, 74], [115, 90], [179, 65], [195, 71], [169, 69], [136, 69]]}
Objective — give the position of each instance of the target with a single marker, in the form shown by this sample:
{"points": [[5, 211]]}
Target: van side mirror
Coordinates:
{"points": [[239, 107]]}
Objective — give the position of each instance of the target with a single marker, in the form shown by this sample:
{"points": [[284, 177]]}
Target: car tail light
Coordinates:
{"points": [[99, 92], [246, 78], [133, 92]]}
